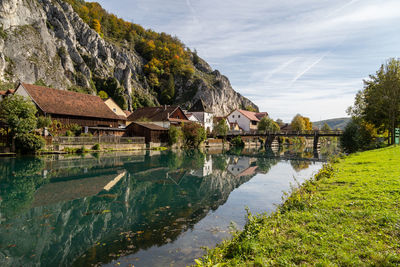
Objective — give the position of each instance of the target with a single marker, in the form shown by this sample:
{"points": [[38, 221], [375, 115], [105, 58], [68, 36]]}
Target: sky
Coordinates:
{"points": [[287, 56]]}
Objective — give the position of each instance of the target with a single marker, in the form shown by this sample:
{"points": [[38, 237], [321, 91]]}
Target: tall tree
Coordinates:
{"points": [[298, 123], [379, 101]]}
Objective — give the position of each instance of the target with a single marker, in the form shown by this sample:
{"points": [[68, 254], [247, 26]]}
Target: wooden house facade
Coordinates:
{"points": [[68, 107], [151, 132]]}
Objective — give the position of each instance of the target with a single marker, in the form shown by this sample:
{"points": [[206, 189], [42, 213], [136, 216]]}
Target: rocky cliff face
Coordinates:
{"points": [[46, 40]]}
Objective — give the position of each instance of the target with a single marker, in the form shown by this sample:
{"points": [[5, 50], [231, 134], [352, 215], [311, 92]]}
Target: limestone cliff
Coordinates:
{"points": [[45, 40]]}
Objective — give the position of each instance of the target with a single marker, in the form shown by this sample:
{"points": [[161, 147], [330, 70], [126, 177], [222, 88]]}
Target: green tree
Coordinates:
{"points": [[175, 135], [19, 114], [103, 95], [43, 122], [298, 123], [358, 135], [221, 128], [268, 124], [194, 134], [326, 127], [379, 101]]}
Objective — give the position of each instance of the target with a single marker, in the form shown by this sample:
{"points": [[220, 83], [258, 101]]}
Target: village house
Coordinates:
{"points": [[246, 120], [163, 116], [151, 132], [87, 111], [123, 114], [203, 114]]}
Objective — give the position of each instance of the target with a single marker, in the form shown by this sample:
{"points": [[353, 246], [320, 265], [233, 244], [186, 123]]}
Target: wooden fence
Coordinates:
{"points": [[66, 140]]}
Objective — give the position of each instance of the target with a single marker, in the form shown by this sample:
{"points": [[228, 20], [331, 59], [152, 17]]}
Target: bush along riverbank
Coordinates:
{"points": [[347, 215]]}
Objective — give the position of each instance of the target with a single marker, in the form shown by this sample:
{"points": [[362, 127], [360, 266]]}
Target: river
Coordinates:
{"points": [[145, 208]]}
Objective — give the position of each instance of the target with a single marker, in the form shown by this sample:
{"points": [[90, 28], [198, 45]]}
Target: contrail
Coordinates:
{"points": [[280, 68], [309, 68]]}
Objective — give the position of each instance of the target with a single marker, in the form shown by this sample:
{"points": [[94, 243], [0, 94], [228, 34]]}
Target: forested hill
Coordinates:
{"points": [[75, 45], [338, 123]]}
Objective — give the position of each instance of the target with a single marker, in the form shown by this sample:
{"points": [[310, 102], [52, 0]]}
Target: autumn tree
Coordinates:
{"points": [[96, 26], [298, 123], [268, 124]]}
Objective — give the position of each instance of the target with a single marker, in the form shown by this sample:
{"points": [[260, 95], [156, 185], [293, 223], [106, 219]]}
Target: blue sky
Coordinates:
{"points": [[287, 56]]}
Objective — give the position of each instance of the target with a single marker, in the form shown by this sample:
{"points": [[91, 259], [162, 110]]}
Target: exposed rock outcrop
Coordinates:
{"points": [[46, 40]]}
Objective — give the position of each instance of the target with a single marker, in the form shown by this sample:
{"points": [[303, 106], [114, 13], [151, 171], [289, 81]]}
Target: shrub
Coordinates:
{"points": [[69, 133], [357, 136], [237, 141], [75, 129], [29, 143], [96, 147], [194, 134], [175, 135]]}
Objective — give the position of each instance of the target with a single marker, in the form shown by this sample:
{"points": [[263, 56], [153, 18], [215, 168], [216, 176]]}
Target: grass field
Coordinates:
{"points": [[347, 215]]}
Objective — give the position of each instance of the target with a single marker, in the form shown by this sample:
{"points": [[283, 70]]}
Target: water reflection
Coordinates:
{"points": [[82, 210]]}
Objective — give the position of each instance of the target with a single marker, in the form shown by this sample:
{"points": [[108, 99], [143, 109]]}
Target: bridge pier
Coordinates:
{"points": [[316, 144]]}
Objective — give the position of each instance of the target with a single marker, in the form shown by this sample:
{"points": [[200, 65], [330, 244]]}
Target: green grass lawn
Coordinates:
{"points": [[348, 215]]}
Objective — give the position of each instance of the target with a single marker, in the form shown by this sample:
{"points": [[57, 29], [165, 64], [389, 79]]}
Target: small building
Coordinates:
{"points": [[204, 114], [87, 111], [163, 116], [118, 111], [150, 131], [247, 120]]}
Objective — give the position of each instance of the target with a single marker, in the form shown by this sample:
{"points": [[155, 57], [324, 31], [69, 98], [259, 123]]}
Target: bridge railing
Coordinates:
{"points": [[313, 132]]}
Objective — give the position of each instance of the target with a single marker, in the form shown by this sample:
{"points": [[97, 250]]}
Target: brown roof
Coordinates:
{"points": [[261, 115], [151, 126], [249, 114], [152, 113], [3, 92], [54, 101], [127, 113]]}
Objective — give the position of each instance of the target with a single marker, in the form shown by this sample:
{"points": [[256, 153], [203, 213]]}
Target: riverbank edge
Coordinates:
{"points": [[347, 214]]}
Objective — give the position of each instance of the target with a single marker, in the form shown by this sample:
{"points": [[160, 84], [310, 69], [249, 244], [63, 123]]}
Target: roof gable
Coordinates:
{"points": [[249, 114], [61, 102]]}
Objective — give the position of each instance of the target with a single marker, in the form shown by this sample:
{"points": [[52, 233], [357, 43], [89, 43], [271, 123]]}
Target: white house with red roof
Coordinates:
{"points": [[247, 120]]}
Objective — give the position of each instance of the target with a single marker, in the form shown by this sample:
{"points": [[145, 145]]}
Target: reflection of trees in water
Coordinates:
{"points": [[299, 165], [151, 205], [18, 183]]}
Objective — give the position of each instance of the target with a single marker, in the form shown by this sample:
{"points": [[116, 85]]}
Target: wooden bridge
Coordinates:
{"points": [[271, 136]]}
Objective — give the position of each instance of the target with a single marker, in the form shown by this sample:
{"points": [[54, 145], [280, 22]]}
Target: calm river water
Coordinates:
{"points": [[145, 208]]}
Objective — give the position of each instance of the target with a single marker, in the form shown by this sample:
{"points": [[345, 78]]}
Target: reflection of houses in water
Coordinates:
{"points": [[74, 189], [242, 166], [206, 170]]}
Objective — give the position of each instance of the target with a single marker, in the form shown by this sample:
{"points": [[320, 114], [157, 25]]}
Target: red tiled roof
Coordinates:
{"points": [[3, 92], [54, 101], [249, 114]]}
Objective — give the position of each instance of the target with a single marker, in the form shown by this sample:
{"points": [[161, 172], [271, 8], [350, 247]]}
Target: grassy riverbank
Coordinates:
{"points": [[348, 215]]}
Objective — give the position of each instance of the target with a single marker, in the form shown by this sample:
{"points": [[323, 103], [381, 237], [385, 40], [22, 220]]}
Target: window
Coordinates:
{"points": [[115, 110], [238, 116], [253, 122], [233, 116]]}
